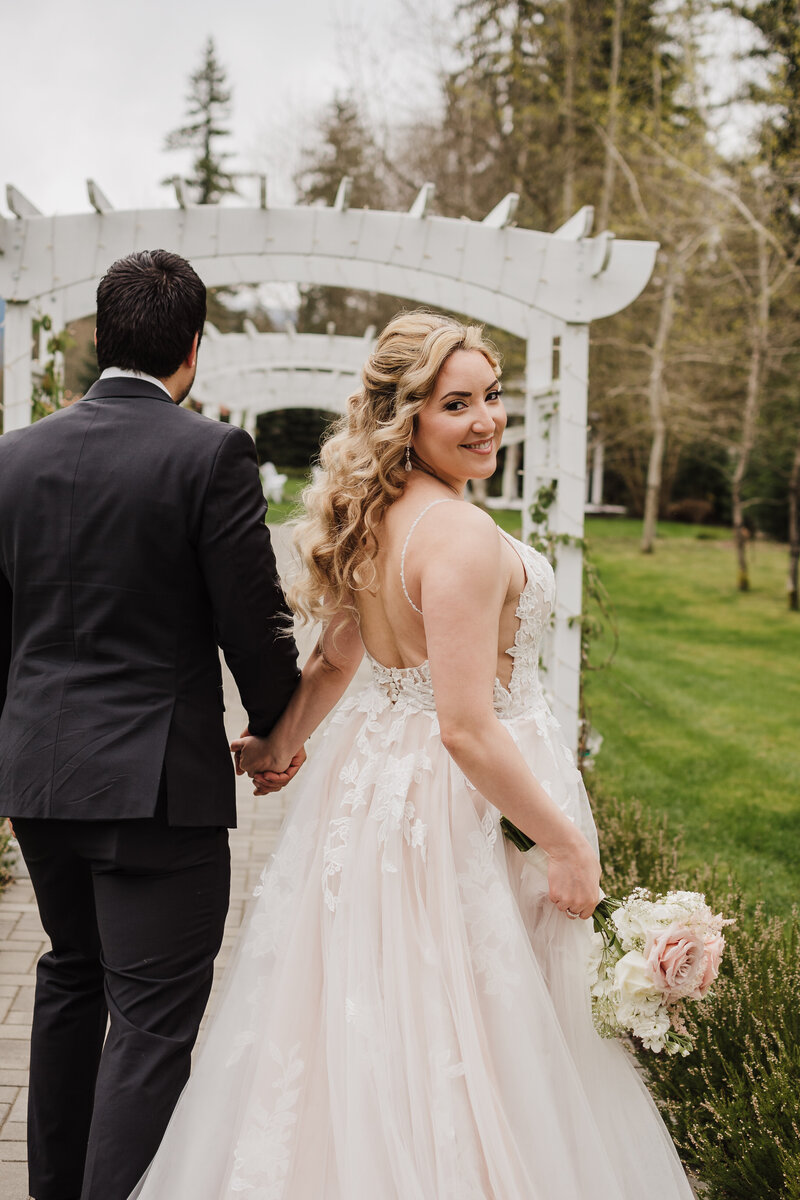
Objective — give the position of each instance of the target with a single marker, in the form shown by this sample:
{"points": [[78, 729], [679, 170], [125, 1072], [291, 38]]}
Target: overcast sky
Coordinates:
{"points": [[90, 88]]}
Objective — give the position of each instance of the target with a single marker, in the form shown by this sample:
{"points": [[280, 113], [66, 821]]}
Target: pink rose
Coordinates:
{"points": [[714, 945], [676, 958]]}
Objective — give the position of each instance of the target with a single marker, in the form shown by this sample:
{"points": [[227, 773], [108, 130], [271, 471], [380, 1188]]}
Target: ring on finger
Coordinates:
{"points": [[572, 915]]}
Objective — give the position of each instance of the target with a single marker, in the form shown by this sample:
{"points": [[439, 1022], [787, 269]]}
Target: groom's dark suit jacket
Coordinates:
{"points": [[132, 544]]}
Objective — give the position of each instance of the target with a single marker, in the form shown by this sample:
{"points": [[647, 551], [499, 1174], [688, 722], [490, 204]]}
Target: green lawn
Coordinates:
{"points": [[289, 506], [699, 710]]}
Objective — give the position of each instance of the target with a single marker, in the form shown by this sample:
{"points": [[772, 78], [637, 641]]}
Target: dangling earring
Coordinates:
{"points": [[408, 458]]}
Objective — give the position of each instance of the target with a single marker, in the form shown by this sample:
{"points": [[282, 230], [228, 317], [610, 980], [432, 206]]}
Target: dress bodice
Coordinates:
{"points": [[412, 686]]}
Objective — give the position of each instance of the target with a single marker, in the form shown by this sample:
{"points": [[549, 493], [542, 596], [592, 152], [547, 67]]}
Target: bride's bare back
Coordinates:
{"points": [[392, 625]]}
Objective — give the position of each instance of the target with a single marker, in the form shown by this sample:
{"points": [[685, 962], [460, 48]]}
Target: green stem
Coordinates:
{"points": [[516, 836]]}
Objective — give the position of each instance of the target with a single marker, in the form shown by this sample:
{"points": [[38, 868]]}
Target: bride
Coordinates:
{"points": [[407, 1013]]}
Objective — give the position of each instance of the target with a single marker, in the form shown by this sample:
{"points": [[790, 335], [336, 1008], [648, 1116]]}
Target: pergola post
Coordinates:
{"points": [[567, 520], [17, 367], [538, 392], [598, 456], [511, 472]]}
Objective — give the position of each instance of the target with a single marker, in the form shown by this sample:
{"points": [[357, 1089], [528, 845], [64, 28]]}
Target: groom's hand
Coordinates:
{"points": [[237, 748], [273, 781]]}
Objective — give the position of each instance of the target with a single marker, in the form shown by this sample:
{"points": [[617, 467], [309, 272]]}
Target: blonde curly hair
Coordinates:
{"points": [[362, 461]]}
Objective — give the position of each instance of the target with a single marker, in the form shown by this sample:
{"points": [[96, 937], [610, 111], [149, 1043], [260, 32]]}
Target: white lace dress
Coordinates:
{"points": [[407, 1015]]}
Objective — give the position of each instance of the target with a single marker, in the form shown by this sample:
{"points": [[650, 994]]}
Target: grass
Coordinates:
{"points": [[288, 507], [699, 709]]}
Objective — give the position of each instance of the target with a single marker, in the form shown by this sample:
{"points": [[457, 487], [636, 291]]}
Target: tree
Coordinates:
{"points": [[208, 107], [344, 147], [775, 226], [552, 99], [538, 84]]}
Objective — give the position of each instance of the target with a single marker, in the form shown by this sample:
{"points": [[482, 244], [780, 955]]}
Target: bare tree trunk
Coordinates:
{"points": [[655, 395], [570, 71], [610, 164], [752, 399], [794, 530], [657, 90]]}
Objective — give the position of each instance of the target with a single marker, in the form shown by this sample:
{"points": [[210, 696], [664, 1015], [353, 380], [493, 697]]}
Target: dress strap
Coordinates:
{"points": [[416, 521]]}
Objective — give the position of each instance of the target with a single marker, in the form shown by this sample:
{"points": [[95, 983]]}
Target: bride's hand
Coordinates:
{"points": [[272, 781], [254, 754], [259, 757], [574, 878]]}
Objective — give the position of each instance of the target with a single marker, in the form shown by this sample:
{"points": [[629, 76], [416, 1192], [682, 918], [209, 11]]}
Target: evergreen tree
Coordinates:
{"points": [[528, 106], [345, 147], [208, 107]]}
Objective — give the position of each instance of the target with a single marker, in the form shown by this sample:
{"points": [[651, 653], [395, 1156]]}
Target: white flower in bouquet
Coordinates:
{"points": [[632, 976]]}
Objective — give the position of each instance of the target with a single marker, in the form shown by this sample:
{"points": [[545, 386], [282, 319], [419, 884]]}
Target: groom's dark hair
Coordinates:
{"points": [[149, 307]]}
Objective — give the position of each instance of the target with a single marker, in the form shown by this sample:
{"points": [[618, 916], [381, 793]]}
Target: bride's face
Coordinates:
{"points": [[459, 430]]}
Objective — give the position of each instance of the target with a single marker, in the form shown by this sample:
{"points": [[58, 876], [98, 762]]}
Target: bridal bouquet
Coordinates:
{"points": [[650, 954]]}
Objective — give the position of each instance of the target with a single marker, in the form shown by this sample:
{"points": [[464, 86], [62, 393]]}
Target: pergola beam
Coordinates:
{"points": [[578, 226], [498, 275], [423, 201], [342, 201], [97, 198], [503, 213], [20, 205]]}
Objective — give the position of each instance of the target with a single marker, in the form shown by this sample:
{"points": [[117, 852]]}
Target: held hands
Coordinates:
{"points": [[269, 767]]}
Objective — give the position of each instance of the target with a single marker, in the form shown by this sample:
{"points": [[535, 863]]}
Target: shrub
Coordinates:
{"points": [[636, 848], [732, 1104]]}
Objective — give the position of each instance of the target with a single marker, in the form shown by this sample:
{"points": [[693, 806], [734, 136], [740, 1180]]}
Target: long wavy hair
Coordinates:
{"points": [[362, 461]]}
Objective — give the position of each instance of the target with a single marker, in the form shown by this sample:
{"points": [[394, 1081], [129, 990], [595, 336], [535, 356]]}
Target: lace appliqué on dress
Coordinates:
{"points": [[489, 913], [262, 1156], [277, 890]]}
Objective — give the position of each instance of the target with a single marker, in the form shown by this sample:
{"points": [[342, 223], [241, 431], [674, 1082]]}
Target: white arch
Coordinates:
{"points": [[496, 275], [251, 372], [540, 286]]}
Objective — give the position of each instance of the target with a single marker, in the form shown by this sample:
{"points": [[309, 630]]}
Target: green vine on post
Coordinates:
{"points": [[597, 618], [48, 390]]}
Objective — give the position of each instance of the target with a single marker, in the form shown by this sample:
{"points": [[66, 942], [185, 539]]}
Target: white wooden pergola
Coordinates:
{"points": [[252, 373], [544, 287]]}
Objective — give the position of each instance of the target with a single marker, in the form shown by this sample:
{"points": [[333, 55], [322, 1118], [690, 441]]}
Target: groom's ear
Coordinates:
{"points": [[95, 337], [191, 358]]}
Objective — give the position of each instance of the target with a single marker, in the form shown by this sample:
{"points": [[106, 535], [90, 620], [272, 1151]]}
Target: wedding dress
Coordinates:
{"points": [[407, 1015]]}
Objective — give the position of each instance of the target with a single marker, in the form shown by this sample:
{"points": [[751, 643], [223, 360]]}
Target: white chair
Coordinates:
{"points": [[272, 482]]}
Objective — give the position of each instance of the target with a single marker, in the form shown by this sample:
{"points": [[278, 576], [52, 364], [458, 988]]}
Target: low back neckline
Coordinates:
{"points": [[518, 548]]}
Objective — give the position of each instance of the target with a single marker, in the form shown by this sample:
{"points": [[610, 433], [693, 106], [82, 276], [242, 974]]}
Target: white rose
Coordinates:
{"points": [[632, 976]]}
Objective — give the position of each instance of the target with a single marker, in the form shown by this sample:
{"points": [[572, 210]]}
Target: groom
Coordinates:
{"points": [[132, 546]]}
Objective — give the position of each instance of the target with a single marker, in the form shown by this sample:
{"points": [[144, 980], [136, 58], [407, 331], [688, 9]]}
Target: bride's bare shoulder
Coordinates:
{"points": [[456, 529]]}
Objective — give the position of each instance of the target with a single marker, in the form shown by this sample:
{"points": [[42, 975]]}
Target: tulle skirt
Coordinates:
{"points": [[406, 1015]]}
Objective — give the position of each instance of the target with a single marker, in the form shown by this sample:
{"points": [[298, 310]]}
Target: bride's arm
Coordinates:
{"points": [[326, 675], [463, 586]]}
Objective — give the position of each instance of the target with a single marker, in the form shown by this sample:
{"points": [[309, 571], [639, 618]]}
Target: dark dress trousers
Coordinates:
{"points": [[132, 546]]}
